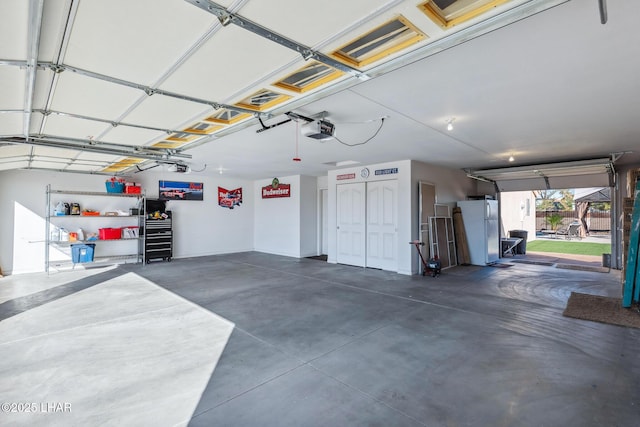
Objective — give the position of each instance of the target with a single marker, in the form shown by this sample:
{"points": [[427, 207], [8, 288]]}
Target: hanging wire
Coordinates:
{"points": [[297, 158], [364, 142], [199, 170]]}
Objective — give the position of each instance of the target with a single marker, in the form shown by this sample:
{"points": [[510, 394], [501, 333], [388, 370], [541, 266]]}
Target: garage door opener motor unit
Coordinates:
{"points": [[321, 130]]}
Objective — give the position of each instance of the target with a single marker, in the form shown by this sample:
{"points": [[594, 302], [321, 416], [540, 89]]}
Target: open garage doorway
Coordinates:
{"points": [[560, 226], [553, 178]]}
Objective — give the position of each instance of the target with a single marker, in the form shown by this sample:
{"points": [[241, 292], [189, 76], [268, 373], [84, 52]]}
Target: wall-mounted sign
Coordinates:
{"points": [[276, 190], [176, 190], [364, 173], [229, 198], [386, 171], [346, 176]]}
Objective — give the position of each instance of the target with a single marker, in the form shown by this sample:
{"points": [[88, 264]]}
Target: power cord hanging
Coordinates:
{"points": [[199, 170], [364, 142]]}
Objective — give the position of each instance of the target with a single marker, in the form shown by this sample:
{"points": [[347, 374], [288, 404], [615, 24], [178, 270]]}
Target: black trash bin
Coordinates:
{"points": [[521, 249]]}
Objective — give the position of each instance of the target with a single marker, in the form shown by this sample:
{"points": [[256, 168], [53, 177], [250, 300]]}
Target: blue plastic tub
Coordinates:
{"points": [[82, 253], [114, 186]]}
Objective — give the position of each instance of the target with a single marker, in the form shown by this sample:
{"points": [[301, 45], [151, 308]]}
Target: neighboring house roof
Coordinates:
{"points": [[592, 195]]}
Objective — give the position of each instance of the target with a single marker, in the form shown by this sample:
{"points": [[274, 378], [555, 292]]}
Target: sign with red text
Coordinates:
{"points": [[229, 198], [177, 190], [346, 176], [276, 189]]}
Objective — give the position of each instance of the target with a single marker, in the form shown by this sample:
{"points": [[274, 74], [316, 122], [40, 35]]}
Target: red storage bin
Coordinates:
{"points": [[130, 188], [109, 233]]}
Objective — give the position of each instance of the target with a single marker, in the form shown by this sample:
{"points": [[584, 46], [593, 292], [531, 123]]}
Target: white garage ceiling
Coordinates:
{"points": [[116, 87]]}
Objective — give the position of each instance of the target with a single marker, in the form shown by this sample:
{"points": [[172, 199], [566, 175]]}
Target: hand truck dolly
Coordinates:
{"points": [[431, 266]]}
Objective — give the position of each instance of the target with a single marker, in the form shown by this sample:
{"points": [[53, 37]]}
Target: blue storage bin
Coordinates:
{"points": [[114, 186], [82, 252]]}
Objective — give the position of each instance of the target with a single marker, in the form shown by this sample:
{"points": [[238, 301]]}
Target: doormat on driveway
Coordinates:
{"points": [[601, 309], [584, 268], [525, 261]]}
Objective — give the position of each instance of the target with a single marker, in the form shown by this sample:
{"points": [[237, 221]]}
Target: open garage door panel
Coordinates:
{"points": [[583, 173]]}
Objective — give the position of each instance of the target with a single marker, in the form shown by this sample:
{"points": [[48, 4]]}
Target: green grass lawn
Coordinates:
{"points": [[569, 247]]}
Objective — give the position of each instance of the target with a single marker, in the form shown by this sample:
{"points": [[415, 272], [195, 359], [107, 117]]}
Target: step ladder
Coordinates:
{"points": [[631, 290]]}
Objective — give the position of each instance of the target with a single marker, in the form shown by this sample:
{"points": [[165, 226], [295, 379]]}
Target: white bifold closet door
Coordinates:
{"points": [[367, 224], [382, 225]]}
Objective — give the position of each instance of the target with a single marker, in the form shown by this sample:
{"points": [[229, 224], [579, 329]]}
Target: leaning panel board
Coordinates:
{"points": [[631, 291]]}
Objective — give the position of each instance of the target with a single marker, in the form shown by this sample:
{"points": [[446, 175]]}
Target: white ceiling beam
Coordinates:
{"points": [[114, 123], [225, 17], [13, 63], [35, 25], [135, 151], [64, 43], [73, 171], [58, 68]]}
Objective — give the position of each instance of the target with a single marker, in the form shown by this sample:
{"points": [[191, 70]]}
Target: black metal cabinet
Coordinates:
{"points": [[158, 242]]}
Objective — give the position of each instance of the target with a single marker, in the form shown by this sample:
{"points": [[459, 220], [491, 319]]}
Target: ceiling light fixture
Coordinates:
{"points": [[450, 123], [511, 158]]}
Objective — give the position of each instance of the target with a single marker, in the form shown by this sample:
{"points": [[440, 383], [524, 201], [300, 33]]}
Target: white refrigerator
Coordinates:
{"points": [[481, 223]]}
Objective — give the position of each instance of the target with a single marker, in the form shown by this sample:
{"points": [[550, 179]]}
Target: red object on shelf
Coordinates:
{"points": [[109, 233], [131, 188]]}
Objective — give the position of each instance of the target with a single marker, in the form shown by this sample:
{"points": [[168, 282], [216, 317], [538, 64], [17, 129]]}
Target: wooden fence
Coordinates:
{"points": [[597, 221]]}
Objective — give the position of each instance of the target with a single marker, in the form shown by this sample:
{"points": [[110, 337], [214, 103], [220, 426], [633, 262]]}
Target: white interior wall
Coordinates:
{"points": [[200, 228], [485, 188], [308, 216], [322, 214], [25, 194], [22, 224], [514, 214], [277, 220], [284, 226], [323, 182]]}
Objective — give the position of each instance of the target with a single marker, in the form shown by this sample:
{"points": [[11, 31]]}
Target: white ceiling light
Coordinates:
{"points": [[450, 123]]}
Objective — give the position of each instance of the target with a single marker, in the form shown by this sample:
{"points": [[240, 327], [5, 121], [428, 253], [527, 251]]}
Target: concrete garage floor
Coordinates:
{"points": [[253, 339]]}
